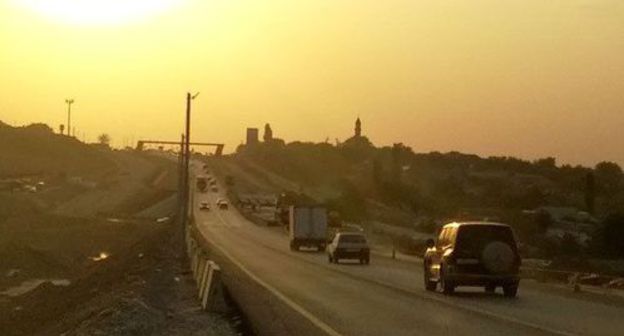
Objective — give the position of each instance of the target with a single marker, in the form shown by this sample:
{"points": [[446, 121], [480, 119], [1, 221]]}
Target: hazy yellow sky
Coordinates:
{"points": [[529, 78]]}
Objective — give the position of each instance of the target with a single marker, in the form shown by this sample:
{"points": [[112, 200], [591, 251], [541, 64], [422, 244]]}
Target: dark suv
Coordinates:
{"points": [[473, 254]]}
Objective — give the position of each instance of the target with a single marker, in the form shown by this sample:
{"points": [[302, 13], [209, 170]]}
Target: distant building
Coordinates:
{"points": [[357, 147], [252, 136], [268, 133]]}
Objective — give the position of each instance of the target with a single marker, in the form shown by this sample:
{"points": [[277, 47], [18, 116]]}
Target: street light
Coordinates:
{"points": [[69, 103], [187, 153]]}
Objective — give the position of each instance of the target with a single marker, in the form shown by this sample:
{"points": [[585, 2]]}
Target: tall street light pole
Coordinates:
{"points": [[69, 103], [187, 154]]}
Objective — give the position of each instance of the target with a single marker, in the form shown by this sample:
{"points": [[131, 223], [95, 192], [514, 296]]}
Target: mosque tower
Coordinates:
{"points": [[358, 128]]}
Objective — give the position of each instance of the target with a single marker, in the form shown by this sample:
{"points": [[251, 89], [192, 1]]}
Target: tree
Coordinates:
{"points": [[351, 204], [400, 154], [590, 192], [104, 139], [377, 172], [569, 246], [543, 221], [609, 177], [613, 235], [531, 198], [548, 162]]}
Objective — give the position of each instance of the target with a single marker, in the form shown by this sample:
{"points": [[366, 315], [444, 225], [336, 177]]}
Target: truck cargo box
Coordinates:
{"points": [[308, 227]]}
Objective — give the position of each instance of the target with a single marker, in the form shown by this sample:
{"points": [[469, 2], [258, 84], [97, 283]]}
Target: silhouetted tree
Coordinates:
{"points": [[377, 172], [104, 139], [609, 177], [569, 246], [350, 204], [548, 162], [400, 154], [612, 235], [543, 221], [590, 192], [531, 198]]}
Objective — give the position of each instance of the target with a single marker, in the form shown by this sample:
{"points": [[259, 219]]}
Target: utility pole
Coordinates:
{"points": [[187, 154], [69, 103], [181, 173]]}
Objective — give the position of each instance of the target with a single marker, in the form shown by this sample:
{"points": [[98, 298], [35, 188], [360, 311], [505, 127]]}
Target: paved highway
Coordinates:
{"points": [[388, 297]]}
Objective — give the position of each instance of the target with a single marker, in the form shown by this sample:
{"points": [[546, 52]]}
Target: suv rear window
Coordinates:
{"points": [[352, 239], [475, 237]]}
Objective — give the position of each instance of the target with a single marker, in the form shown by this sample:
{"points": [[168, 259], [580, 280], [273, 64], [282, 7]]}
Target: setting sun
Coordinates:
{"points": [[97, 12]]}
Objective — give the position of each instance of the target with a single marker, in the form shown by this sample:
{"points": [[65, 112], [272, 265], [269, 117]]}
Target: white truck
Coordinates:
{"points": [[307, 227]]}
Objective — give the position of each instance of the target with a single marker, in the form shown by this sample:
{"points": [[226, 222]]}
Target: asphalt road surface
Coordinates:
{"points": [[387, 297]]}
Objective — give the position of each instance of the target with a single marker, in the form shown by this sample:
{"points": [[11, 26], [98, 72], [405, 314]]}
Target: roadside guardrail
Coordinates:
{"points": [[207, 273]]}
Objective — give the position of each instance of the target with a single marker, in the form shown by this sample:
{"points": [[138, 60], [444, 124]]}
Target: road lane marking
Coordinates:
{"points": [[294, 306]]}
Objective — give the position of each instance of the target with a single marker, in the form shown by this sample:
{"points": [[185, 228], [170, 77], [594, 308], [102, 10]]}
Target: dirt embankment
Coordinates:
{"points": [[141, 288], [95, 267], [37, 150]]}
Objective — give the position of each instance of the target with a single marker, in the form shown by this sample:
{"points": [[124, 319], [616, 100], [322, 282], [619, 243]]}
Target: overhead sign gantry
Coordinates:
{"points": [[218, 152]]}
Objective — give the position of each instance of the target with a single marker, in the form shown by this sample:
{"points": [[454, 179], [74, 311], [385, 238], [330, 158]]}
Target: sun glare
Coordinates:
{"points": [[98, 12]]}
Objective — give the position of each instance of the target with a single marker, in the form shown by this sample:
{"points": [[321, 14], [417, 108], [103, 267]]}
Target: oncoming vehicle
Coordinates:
{"points": [[473, 254], [349, 245], [222, 204], [204, 206], [202, 183]]}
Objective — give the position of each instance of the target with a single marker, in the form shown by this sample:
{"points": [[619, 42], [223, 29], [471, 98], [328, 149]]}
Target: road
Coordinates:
{"points": [[388, 297]]}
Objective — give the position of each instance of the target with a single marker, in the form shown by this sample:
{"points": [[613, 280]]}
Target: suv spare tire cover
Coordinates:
{"points": [[497, 257]]}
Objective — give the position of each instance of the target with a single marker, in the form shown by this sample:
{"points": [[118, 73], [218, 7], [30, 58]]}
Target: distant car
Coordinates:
{"points": [[30, 188], [222, 204], [473, 254], [349, 245], [204, 206]]}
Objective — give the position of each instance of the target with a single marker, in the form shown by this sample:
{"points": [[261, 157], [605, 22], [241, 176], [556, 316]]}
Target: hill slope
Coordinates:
{"points": [[36, 150]]}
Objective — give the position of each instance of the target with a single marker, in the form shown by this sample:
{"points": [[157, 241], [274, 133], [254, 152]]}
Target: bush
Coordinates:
{"points": [[612, 235]]}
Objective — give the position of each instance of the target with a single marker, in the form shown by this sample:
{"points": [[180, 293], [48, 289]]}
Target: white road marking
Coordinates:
{"points": [[309, 316]]}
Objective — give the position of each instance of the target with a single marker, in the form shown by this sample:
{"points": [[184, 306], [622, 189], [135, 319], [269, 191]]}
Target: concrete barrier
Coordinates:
{"points": [[211, 287], [205, 273], [201, 263]]}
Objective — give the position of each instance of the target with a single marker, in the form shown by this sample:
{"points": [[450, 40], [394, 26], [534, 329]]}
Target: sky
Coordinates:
{"points": [[524, 78]]}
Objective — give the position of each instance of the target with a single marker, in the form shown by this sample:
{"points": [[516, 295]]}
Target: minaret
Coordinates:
{"points": [[268, 133], [358, 128]]}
